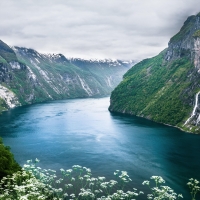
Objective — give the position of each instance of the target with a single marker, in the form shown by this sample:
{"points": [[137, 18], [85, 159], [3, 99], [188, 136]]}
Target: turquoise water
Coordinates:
{"points": [[83, 131]]}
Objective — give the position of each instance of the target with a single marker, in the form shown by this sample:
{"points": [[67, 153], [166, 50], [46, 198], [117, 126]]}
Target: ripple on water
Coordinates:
{"points": [[82, 131]]}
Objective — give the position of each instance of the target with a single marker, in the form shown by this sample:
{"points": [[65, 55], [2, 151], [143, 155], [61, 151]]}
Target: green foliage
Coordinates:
{"points": [[155, 89], [76, 183], [7, 53], [185, 30], [193, 184], [37, 77], [57, 78], [160, 191], [197, 34], [3, 105], [7, 163], [22, 185], [34, 183], [2, 60]]}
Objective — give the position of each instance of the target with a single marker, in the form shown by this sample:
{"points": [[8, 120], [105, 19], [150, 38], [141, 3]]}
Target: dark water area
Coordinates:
{"points": [[83, 132]]}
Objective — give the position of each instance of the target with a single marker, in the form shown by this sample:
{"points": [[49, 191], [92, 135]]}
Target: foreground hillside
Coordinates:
{"points": [[166, 88], [27, 76]]}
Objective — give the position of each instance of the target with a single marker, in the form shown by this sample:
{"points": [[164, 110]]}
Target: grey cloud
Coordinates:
{"points": [[124, 29]]}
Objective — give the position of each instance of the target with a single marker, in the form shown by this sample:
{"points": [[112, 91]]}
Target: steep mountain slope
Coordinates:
{"points": [[107, 72], [166, 88], [27, 76]]}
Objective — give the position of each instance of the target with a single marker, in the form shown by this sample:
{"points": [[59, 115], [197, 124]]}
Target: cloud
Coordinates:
{"points": [[122, 29]]}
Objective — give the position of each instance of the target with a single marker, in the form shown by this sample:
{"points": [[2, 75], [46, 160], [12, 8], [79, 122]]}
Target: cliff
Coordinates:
{"points": [[27, 76], [166, 88]]}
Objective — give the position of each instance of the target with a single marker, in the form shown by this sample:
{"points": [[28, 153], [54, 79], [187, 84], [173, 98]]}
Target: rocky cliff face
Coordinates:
{"points": [[187, 43], [196, 53], [166, 87], [185, 40], [27, 76]]}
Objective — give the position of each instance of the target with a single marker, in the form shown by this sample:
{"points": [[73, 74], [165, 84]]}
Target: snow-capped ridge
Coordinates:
{"points": [[106, 61], [58, 56]]}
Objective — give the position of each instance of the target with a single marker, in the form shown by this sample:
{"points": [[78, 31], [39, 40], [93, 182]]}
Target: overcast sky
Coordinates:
{"points": [[118, 29]]}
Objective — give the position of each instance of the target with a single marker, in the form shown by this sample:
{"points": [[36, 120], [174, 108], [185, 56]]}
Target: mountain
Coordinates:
{"points": [[166, 88], [27, 76]]}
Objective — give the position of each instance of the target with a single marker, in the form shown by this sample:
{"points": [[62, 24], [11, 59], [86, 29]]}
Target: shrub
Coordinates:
{"points": [[8, 165]]}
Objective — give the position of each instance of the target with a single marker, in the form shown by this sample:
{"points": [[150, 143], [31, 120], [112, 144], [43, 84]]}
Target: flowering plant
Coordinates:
{"points": [[35, 183]]}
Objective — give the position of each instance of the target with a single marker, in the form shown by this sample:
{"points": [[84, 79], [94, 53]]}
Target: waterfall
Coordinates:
{"points": [[194, 109]]}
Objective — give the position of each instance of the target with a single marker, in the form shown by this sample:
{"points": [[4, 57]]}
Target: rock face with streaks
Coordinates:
{"points": [[185, 41], [34, 77], [196, 52], [166, 88], [9, 97]]}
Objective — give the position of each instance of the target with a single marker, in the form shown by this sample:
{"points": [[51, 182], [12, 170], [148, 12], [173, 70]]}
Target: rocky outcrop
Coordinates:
{"points": [[184, 42], [9, 97], [196, 53]]}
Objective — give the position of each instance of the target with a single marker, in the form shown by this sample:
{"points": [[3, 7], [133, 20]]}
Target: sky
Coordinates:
{"points": [[116, 29]]}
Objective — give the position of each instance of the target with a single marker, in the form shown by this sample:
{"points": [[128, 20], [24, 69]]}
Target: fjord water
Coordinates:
{"points": [[83, 131]]}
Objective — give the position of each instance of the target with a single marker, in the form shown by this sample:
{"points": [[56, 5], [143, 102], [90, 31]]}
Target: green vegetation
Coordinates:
{"points": [[185, 30], [2, 60], [197, 34], [163, 88], [33, 183], [61, 79], [156, 90], [7, 53], [35, 77], [7, 163], [3, 106]]}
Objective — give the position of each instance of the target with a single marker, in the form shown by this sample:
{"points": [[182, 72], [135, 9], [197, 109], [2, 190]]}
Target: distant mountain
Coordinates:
{"points": [[27, 76], [166, 88]]}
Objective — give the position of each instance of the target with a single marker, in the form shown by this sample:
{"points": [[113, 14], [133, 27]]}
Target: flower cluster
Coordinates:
{"points": [[35, 183], [194, 187], [161, 192], [77, 183], [23, 185]]}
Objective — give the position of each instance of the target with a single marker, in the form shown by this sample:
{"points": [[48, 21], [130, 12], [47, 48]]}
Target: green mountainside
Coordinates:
{"points": [[27, 76], [7, 54], [165, 88]]}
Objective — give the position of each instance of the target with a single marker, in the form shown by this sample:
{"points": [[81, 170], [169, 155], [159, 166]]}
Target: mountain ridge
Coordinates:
{"points": [[27, 76]]}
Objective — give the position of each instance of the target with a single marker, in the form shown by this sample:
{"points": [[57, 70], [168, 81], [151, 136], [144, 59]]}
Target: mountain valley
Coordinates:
{"points": [[27, 76]]}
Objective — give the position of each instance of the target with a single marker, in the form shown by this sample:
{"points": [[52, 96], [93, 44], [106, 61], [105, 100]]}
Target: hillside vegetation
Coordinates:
{"points": [[27, 76], [163, 88], [8, 165]]}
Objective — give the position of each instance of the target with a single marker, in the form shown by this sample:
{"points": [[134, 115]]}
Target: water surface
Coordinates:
{"points": [[83, 132]]}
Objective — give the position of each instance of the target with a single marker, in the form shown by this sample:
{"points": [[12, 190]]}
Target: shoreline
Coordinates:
{"points": [[129, 114]]}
